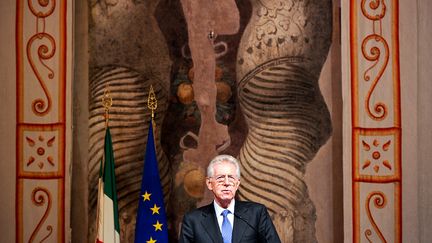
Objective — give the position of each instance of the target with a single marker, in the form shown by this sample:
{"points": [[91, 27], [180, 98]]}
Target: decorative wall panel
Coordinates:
{"points": [[376, 121], [42, 78]]}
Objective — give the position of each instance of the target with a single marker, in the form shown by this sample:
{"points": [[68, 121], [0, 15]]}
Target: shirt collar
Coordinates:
{"points": [[219, 209]]}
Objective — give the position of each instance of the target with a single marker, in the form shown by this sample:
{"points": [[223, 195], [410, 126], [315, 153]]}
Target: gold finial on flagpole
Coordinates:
{"points": [[152, 101], [107, 103]]}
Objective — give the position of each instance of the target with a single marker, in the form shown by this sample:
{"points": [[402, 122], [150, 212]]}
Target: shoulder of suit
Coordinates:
{"points": [[204, 209], [249, 204]]}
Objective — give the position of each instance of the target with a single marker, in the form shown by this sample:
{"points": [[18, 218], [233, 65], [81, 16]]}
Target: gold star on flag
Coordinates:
{"points": [[155, 209], [158, 226], [151, 240], [146, 196]]}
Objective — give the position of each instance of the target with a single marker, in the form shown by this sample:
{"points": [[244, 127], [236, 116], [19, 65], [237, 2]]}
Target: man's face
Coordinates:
{"points": [[224, 183]]}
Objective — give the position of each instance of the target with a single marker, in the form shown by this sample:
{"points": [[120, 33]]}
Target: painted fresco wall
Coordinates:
{"points": [[247, 86], [132, 62]]}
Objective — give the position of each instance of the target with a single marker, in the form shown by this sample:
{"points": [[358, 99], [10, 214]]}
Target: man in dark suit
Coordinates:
{"points": [[227, 220]]}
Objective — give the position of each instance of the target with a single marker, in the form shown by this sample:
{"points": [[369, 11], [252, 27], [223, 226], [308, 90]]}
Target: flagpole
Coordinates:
{"points": [[152, 104], [106, 103], [151, 221]]}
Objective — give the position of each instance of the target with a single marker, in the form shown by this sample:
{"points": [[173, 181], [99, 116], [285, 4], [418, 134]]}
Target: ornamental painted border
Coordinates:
{"points": [[376, 121], [41, 120]]}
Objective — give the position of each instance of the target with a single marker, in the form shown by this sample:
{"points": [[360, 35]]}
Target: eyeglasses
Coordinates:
{"points": [[220, 179]]}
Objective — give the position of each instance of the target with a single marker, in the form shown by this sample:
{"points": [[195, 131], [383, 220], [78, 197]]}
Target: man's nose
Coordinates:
{"points": [[226, 181]]}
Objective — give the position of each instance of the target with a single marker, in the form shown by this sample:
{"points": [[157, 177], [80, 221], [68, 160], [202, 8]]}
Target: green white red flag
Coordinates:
{"points": [[108, 227]]}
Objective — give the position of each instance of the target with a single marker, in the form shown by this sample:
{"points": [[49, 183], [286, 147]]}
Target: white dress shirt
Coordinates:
{"points": [[219, 210]]}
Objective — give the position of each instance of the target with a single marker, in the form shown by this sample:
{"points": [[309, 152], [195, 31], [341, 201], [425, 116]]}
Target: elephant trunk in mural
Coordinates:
{"points": [[205, 20], [279, 61]]}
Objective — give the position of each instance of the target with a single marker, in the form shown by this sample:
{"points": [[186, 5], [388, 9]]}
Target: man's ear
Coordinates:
{"points": [[209, 184]]}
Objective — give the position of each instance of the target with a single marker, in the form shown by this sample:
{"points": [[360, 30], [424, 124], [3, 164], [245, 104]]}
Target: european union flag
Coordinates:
{"points": [[151, 223]]}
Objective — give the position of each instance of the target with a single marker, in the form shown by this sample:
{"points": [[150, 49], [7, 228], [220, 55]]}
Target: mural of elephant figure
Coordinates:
{"points": [[128, 53], [279, 61]]}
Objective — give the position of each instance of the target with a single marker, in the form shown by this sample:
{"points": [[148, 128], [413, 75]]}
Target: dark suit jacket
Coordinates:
{"points": [[252, 223]]}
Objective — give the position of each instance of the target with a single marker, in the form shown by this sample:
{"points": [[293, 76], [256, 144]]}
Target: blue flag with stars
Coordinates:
{"points": [[151, 223]]}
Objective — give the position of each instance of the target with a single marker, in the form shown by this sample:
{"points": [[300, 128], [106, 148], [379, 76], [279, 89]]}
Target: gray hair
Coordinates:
{"points": [[223, 158]]}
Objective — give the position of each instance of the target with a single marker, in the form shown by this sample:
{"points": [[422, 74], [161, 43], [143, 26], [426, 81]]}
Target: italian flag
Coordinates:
{"points": [[108, 227]]}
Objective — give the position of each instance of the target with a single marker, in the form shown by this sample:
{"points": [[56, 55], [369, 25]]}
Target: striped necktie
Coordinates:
{"points": [[226, 227]]}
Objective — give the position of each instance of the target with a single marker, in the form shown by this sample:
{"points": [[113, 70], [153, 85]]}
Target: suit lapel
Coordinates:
{"points": [[239, 225], [210, 224]]}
